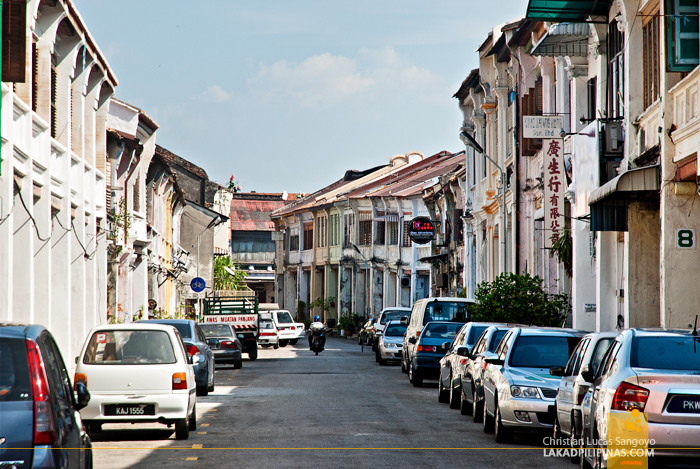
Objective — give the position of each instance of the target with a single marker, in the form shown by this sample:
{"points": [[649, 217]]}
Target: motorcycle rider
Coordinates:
{"points": [[317, 325]]}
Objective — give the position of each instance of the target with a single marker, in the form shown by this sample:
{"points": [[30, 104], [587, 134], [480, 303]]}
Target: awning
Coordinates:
{"points": [[566, 10], [609, 202], [564, 40], [539, 213], [392, 218], [439, 257]]}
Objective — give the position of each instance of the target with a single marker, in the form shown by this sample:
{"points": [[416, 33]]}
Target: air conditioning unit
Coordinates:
{"points": [[614, 138], [441, 280]]}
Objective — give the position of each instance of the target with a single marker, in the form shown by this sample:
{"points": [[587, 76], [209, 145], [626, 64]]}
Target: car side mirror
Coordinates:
{"points": [[189, 359], [463, 352], [494, 361], [199, 359], [83, 396], [404, 320], [446, 345], [76, 360], [587, 373], [412, 340], [556, 370], [378, 334]]}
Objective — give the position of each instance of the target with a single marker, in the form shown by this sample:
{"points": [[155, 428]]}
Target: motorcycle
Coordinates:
{"points": [[317, 341]]}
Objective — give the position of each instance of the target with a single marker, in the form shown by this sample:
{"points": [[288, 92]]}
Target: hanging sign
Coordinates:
{"points": [[554, 187], [421, 230], [542, 126]]}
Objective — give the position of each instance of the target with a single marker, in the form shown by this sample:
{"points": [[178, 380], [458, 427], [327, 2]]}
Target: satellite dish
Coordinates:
{"points": [[229, 271]]}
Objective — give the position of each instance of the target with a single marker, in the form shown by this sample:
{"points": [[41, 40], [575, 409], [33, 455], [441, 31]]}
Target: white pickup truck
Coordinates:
{"points": [[289, 331]]}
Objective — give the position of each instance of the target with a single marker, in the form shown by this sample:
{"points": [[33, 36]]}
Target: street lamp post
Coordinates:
{"points": [[469, 140]]}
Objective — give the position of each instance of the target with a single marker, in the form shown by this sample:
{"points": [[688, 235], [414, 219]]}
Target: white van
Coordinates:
{"points": [[434, 309], [289, 331]]}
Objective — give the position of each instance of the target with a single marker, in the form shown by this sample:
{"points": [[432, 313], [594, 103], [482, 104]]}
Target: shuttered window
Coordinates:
{"points": [[35, 75], [349, 229], [650, 37], [14, 40], [532, 105], [54, 91], [682, 35], [308, 236], [406, 239], [393, 232], [137, 194]]}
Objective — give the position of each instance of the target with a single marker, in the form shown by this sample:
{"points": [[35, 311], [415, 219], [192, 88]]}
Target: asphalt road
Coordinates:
{"points": [[291, 408]]}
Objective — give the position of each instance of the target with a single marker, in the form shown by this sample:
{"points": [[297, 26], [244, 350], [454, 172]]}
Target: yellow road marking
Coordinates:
{"points": [[196, 446], [201, 433], [191, 458], [203, 424]]}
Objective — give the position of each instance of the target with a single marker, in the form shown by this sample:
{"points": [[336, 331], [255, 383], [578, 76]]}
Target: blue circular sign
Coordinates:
{"points": [[198, 284]]}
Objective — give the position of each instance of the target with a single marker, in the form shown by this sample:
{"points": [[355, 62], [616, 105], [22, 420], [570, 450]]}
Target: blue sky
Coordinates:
{"points": [[288, 95]]}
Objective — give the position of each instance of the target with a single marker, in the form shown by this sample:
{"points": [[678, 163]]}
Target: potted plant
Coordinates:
{"points": [[346, 323]]}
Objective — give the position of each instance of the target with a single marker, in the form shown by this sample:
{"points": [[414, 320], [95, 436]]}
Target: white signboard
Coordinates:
{"points": [[685, 238], [554, 188], [542, 126]]}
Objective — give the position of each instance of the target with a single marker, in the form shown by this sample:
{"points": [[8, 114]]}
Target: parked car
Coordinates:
{"points": [[195, 344], [365, 334], [428, 349], [224, 343], [137, 373], [390, 343], [432, 309], [40, 424], [289, 331], [572, 387], [472, 378], [385, 316], [654, 371], [269, 336], [452, 364], [519, 392]]}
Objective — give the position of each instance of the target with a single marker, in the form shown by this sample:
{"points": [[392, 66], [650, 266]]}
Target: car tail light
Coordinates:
{"points": [[628, 397], [229, 344], [192, 349], [179, 381], [79, 378], [425, 348], [267, 333], [485, 365], [463, 361], [417, 333], [44, 425]]}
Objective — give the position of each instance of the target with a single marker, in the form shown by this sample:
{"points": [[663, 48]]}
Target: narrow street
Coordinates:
{"points": [[339, 409]]}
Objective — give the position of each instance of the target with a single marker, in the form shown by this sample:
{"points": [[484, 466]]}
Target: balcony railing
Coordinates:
{"points": [[257, 257], [686, 115]]}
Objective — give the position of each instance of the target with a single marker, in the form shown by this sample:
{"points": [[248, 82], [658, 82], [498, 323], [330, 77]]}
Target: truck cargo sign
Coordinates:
{"points": [[238, 321]]}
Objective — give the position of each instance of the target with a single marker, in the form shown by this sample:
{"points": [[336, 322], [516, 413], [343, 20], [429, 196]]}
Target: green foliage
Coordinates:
{"points": [[324, 304], [303, 319], [346, 322], [301, 309], [519, 299], [223, 280], [121, 222], [563, 249]]}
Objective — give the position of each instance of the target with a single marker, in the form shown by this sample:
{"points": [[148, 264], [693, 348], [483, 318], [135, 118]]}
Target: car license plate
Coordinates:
{"points": [[130, 409], [684, 405]]}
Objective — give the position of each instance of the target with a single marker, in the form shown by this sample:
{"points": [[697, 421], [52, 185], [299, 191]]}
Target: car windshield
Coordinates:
{"points": [[542, 351], [216, 330], [15, 384], [389, 316], [283, 317], [599, 352], [666, 352], [124, 347], [441, 331], [395, 330], [446, 311], [496, 339], [266, 325], [474, 334]]}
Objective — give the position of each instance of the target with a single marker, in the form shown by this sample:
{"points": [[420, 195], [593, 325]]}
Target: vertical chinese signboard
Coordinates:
{"points": [[549, 128], [554, 187]]}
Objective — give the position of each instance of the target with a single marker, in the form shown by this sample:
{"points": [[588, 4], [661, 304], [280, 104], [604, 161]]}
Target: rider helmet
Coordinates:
{"points": [[317, 318]]}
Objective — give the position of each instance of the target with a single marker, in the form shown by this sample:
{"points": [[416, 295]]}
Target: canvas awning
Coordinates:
{"points": [[564, 40], [439, 257], [609, 202], [566, 10]]}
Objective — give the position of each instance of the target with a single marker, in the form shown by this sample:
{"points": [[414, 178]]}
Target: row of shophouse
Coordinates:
{"points": [[97, 221], [622, 76]]}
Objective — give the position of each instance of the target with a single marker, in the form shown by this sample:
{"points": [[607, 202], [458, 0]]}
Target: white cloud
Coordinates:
{"points": [[214, 94], [327, 79]]}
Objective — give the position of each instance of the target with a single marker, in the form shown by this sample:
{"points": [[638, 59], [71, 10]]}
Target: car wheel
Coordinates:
{"points": [[502, 434], [238, 364], [182, 429], [487, 419], [93, 428], [210, 387], [477, 410], [582, 462], [202, 390], [403, 366], [293, 341], [443, 394], [359, 340], [415, 379], [465, 408], [193, 419], [454, 397], [572, 439], [283, 343], [382, 361], [276, 346], [253, 354]]}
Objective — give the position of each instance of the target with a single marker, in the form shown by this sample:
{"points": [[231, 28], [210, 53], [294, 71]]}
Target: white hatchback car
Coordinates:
{"points": [[138, 373]]}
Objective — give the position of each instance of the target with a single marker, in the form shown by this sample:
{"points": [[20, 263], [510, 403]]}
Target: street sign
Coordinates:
{"points": [[421, 230], [554, 187], [198, 284], [542, 126]]}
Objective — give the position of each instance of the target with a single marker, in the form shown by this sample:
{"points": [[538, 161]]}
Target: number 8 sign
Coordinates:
{"points": [[685, 238]]}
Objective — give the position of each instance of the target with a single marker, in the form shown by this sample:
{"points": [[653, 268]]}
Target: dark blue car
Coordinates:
{"points": [[430, 347], [39, 421]]}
